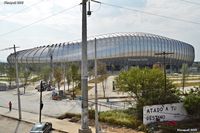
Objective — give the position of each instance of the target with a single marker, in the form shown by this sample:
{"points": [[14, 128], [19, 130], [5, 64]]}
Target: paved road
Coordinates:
{"points": [[30, 100], [59, 125], [9, 125]]}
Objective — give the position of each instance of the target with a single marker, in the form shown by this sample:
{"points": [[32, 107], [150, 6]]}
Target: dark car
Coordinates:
{"points": [[44, 127], [45, 86]]}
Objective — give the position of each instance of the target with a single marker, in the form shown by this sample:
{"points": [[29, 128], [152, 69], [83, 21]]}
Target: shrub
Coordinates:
{"points": [[69, 115], [192, 104], [120, 118], [91, 114]]}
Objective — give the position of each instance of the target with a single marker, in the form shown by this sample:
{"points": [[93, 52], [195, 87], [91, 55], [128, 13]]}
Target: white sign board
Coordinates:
{"points": [[165, 112]]}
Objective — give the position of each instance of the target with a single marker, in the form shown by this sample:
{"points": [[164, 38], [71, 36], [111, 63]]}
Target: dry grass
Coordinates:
{"points": [[187, 84]]}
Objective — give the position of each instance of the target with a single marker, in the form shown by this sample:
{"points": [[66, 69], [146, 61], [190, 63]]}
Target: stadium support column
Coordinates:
{"points": [[84, 73]]}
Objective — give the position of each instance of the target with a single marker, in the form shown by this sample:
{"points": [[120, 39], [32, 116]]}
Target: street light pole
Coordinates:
{"points": [[50, 52], [41, 104], [64, 67], [165, 70], [17, 83], [96, 93], [51, 65], [84, 73]]}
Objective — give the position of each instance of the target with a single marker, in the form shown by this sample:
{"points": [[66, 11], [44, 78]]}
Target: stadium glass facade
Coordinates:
{"points": [[117, 48]]}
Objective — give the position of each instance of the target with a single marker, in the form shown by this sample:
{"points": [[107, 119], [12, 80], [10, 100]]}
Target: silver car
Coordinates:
{"points": [[44, 127]]}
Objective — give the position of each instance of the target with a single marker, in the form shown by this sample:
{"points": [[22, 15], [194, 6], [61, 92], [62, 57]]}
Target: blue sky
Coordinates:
{"points": [[66, 26]]}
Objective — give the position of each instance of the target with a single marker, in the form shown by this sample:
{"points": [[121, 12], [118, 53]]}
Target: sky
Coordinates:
{"points": [[33, 23]]}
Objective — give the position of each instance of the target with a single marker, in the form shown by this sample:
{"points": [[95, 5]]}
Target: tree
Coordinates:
{"points": [[90, 72], [2, 68], [112, 68], [191, 103], [102, 70], [25, 75], [75, 77], [45, 73], [147, 87], [185, 73], [68, 77], [11, 74], [58, 76]]}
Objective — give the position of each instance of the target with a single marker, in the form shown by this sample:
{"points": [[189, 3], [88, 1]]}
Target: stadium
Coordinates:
{"points": [[119, 49]]}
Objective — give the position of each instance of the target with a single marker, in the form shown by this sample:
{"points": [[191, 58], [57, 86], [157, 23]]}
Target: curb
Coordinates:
{"points": [[30, 122]]}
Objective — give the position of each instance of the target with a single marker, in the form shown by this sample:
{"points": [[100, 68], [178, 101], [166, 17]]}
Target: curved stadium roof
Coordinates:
{"points": [[136, 48]]}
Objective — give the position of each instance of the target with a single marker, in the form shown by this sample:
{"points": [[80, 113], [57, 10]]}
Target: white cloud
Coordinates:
{"points": [[67, 26], [130, 21], [39, 11]]}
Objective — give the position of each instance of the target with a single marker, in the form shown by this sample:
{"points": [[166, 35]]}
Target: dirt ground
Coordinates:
{"points": [[113, 129], [110, 129]]}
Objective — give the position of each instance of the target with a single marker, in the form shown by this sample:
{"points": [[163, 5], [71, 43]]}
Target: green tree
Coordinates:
{"points": [[90, 71], [11, 74], [75, 75], [185, 73], [2, 68], [58, 76], [146, 86], [45, 73], [192, 103], [25, 75], [69, 77], [112, 68], [102, 70]]}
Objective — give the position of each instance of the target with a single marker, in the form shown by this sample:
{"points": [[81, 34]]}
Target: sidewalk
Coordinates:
{"points": [[59, 125]]}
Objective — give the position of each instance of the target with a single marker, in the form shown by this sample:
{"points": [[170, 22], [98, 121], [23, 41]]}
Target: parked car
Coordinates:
{"points": [[45, 86], [44, 127], [51, 88]]}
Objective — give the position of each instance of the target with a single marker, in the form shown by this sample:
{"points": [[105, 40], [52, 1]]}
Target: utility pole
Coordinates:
{"points": [[84, 73], [17, 83], [64, 67], [96, 93], [164, 64], [51, 64], [41, 103], [17, 79]]}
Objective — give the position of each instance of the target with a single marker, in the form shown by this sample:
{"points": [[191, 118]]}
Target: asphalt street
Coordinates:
{"points": [[30, 100], [9, 125]]}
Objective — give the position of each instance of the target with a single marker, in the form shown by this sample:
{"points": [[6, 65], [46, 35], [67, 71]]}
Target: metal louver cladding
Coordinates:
{"points": [[135, 47]]}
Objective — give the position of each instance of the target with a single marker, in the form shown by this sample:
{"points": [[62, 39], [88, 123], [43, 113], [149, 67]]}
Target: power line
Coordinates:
{"points": [[116, 107], [190, 2], [148, 13], [28, 25], [32, 5]]}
